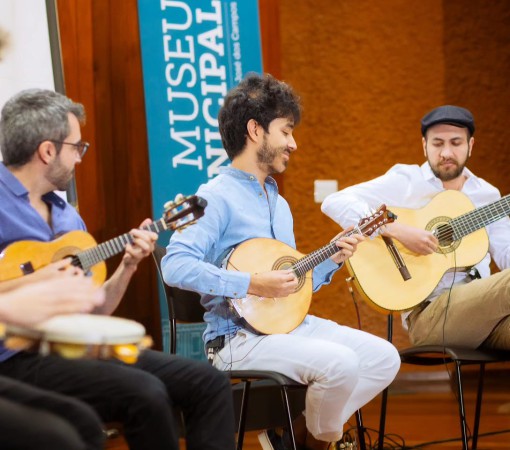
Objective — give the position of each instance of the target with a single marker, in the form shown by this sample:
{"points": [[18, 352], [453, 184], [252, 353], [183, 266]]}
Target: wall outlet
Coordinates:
{"points": [[322, 188]]}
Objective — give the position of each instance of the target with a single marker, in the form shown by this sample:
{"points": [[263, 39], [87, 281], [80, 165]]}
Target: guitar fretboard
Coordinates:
{"points": [[313, 259], [90, 257], [480, 217]]}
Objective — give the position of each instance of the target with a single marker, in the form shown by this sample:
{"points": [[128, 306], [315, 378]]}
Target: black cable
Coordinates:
{"points": [[445, 361]]}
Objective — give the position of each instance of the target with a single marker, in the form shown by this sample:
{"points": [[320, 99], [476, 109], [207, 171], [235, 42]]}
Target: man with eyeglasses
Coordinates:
{"points": [[41, 144]]}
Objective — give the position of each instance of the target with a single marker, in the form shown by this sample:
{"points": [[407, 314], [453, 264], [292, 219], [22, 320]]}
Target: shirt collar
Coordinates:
{"points": [[54, 199], [242, 175], [429, 175], [13, 184]]}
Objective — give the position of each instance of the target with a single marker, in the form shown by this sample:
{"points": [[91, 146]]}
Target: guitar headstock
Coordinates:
{"points": [[183, 211], [381, 217]]}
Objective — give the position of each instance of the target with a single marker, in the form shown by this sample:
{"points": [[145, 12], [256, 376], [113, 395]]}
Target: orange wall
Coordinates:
{"points": [[367, 72]]}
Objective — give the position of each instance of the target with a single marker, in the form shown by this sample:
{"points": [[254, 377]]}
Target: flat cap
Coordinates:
{"points": [[451, 115]]}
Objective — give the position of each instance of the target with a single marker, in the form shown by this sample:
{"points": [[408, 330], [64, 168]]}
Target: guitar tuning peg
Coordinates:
{"points": [[178, 227], [169, 205], [362, 217], [179, 198]]}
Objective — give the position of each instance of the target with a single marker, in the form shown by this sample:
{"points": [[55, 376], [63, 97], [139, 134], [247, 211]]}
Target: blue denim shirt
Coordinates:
{"points": [[20, 221], [237, 210]]}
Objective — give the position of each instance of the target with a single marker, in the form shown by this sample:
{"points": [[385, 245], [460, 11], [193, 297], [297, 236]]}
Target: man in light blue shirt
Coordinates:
{"points": [[344, 368]]}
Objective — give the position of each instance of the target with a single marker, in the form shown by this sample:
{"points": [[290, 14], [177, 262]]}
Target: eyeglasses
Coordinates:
{"points": [[81, 147]]}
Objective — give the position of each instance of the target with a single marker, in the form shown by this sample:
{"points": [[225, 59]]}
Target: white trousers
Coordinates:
{"points": [[344, 368]]}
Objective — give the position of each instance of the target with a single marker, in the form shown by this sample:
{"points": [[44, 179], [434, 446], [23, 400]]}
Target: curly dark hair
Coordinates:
{"points": [[259, 97]]}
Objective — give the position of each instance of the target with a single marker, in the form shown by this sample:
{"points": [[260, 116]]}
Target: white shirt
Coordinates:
{"points": [[413, 186]]}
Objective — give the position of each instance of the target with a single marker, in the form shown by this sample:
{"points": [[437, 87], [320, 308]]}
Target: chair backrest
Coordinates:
{"points": [[183, 305]]}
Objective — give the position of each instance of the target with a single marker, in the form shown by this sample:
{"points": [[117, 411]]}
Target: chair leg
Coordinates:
{"points": [[242, 417], [462, 409], [361, 430], [384, 396], [285, 399], [478, 410], [173, 335], [382, 419]]}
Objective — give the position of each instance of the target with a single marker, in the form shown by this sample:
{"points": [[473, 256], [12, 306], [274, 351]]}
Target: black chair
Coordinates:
{"points": [[262, 399], [432, 355]]}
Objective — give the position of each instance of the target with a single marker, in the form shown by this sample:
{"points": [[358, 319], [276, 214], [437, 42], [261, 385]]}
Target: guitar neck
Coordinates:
{"points": [[313, 259], [480, 217], [90, 257]]}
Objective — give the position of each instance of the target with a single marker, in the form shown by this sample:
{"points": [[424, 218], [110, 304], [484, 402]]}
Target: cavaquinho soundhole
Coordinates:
{"points": [[286, 262]]}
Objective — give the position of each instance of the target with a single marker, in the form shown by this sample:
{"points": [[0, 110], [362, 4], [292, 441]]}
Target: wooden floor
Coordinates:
{"points": [[422, 410]]}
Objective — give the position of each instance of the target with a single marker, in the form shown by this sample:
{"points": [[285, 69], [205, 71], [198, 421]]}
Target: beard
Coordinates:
{"points": [[267, 154], [59, 175], [448, 174]]}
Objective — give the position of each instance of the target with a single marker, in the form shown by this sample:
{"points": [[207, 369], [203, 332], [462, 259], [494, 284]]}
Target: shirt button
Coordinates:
{"points": [[252, 177], [235, 294]]}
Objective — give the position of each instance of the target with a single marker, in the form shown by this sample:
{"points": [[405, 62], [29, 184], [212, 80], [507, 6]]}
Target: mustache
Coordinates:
{"points": [[449, 161]]}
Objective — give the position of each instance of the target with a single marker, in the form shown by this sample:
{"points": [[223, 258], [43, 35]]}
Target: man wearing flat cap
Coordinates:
{"points": [[476, 303]]}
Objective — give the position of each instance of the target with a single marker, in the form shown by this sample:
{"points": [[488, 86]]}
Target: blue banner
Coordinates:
{"points": [[193, 52]]}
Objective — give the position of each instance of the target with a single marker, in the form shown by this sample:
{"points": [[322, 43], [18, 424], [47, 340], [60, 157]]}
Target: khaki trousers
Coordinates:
{"points": [[468, 315]]}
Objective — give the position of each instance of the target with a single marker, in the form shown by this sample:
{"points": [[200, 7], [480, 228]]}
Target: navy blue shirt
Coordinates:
{"points": [[20, 221]]}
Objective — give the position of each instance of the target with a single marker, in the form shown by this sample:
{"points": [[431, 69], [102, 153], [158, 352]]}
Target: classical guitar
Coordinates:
{"points": [[463, 242], [24, 257], [281, 315]]}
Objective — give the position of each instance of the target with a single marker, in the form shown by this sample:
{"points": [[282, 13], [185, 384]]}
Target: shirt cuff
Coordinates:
{"points": [[235, 284]]}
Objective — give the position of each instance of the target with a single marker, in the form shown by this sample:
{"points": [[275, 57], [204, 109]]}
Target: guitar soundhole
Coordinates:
{"points": [[75, 261], [286, 262], [441, 228]]}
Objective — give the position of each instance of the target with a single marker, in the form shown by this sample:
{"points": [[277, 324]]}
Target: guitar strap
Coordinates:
{"points": [[222, 263], [222, 260]]}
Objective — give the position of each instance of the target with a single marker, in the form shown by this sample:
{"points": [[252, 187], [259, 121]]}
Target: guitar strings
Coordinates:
{"points": [[473, 220], [309, 261]]}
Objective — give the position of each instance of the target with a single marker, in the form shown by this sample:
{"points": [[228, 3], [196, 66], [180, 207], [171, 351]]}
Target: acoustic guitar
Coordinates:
{"points": [[24, 257], [281, 315], [463, 242]]}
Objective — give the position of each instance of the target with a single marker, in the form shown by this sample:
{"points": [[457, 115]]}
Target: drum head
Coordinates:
{"points": [[90, 329]]}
